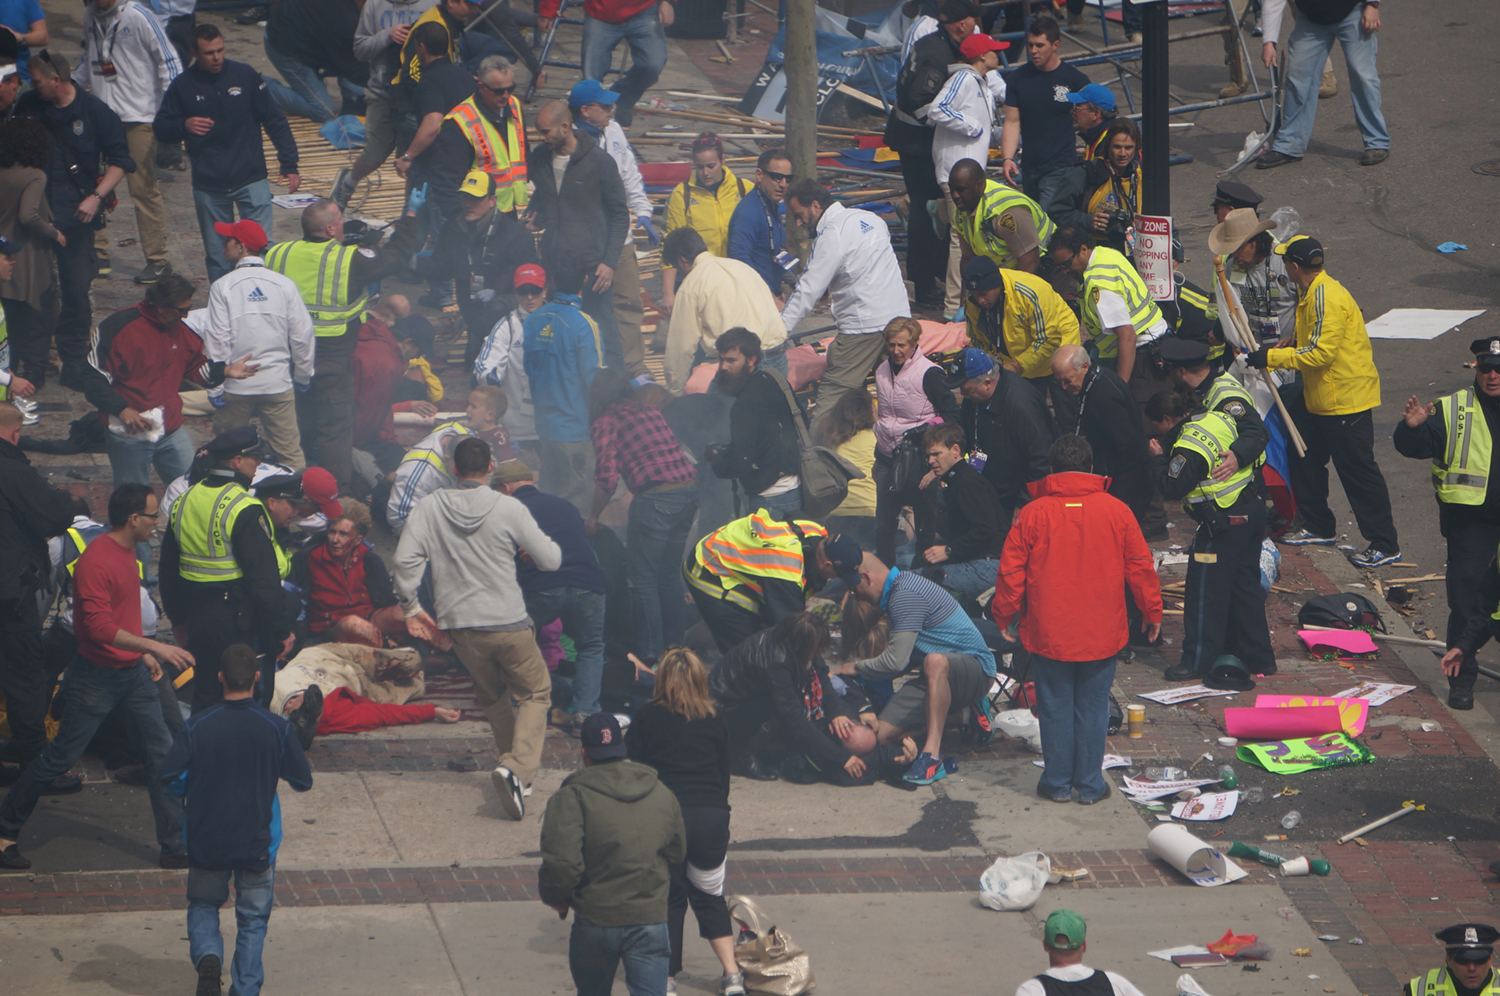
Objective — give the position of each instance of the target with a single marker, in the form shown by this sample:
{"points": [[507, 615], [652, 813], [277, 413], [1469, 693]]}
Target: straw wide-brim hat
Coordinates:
{"points": [[1238, 227]]}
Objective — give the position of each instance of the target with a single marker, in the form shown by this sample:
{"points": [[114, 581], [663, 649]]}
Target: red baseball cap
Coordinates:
{"points": [[978, 43], [318, 484], [249, 233], [531, 275]]}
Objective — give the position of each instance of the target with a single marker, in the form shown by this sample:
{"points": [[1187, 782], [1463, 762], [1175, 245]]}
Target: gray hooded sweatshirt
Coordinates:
{"points": [[372, 38], [469, 536]]}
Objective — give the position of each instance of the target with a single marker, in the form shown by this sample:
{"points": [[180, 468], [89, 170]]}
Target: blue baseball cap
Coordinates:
{"points": [[969, 362], [1095, 93], [594, 92]]}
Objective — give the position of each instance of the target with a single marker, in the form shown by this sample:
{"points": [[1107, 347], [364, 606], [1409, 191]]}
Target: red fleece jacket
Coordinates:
{"points": [[609, 11]]}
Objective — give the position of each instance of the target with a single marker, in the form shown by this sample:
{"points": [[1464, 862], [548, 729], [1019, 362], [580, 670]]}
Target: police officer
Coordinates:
{"points": [[1232, 195], [996, 220], [1187, 363], [749, 573], [220, 569], [1471, 947], [1225, 611], [1457, 434], [334, 280]]}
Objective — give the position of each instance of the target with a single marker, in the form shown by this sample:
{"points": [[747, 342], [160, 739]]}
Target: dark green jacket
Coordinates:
{"points": [[608, 837]]}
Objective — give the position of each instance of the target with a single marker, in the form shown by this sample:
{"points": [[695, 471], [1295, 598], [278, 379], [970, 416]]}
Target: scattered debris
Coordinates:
{"points": [[1451, 247], [1406, 807], [1302, 952]]}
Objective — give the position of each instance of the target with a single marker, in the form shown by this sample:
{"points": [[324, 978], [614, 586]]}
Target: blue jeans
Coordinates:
{"points": [[131, 460], [1307, 49], [648, 53], [971, 579], [655, 538], [1044, 188], [94, 691], [594, 952], [1072, 702], [582, 615], [253, 892], [305, 95], [254, 203], [785, 506]]}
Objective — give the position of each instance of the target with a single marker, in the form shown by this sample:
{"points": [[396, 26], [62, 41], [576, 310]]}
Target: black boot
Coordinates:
{"points": [[1460, 698]]}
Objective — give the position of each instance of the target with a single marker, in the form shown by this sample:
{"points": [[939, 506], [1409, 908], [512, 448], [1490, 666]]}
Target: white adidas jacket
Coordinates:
{"points": [[258, 312], [500, 363], [128, 62], [614, 142], [963, 116]]}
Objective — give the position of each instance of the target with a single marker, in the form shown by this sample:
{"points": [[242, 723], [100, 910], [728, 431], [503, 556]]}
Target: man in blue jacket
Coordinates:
{"points": [[757, 229], [563, 351], [217, 108], [226, 762]]}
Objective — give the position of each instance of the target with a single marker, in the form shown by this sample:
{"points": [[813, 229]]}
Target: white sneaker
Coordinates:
{"points": [[512, 795], [25, 404]]}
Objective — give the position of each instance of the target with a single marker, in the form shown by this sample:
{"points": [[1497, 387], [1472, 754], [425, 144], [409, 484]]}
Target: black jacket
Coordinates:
{"points": [[229, 156], [586, 225], [490, 248], [1430, 439], [1111, 421], [758, 681], [691, 757], [31, 512], [258, 594], [763, 444], [965, 516], [86, 133], [921, 76], [1015, 430]]}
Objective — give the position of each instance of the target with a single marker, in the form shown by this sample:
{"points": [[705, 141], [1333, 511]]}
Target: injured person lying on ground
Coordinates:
{"points": [[349, 688]]}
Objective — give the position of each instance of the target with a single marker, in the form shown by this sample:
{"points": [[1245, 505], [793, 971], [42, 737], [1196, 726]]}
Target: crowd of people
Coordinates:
{"points": [[742, 625]]}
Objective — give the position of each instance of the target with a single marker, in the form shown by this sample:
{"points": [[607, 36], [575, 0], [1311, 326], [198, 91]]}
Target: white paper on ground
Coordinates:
{"points": [[1213, 806], [1377, 693], [1417, 323], [1202, 864], [1167, 954], [1110, 761], [1175, 696], [1145, 790]]}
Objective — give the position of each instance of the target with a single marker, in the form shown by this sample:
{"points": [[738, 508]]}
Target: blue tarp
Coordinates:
{"points": [[835, 38]]}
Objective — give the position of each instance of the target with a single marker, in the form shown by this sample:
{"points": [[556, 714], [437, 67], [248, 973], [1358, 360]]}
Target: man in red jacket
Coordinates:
{"points": [[1070, 555]]}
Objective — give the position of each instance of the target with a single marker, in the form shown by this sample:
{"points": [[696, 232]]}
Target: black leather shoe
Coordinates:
{"points": [[11, 858], [173, 860], [304, 718], [63, 785], [754, 768], [1461, 698], [210, 970], [1181, 672], [1265, 671], [255, 15]]}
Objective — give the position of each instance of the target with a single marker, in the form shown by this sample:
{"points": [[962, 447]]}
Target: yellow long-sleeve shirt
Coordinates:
{"points": [[1035, 322], [1333, 352]]}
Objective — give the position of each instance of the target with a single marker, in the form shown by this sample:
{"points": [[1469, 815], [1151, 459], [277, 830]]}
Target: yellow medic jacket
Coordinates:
{"points": [[693, 206], [1333, 352], [1035, 322]]}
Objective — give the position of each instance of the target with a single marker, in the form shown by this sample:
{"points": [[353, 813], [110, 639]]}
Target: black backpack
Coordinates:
{"points": [[1342, 610]]}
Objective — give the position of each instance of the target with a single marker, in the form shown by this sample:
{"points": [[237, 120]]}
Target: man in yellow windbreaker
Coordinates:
{"points": [[1336, 416], [1017, 318]]}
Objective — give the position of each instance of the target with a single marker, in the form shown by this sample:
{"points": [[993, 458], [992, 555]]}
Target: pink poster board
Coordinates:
{"points": [[1353, 713], [1289, 723]]}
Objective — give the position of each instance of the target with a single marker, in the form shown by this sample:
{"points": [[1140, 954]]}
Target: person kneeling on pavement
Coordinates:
{"points": [[349, 688]]}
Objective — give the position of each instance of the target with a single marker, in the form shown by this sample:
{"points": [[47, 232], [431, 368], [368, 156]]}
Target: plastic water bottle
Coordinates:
{"points": [[1255, 794], [1290, 820], [1227, 776]]}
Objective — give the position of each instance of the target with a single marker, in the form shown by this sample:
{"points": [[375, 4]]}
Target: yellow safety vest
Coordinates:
{"points": [[998, 199], [1438, 982], [1109, 270], [1461, 473], [434, 458], [729, 562], [203, 520], [502, 158], [1220, 390], [1210, 434], [321, 272]]}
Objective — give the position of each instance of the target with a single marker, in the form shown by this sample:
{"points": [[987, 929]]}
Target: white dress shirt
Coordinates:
{"points": [[853, 262], [258, 312], [127, 62]]}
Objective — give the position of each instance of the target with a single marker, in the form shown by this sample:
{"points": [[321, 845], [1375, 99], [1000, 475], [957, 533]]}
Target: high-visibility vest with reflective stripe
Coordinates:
{"points": [[1461, 473], [1220, 390], [202, 521], [1438, 982], [998, 199], [502, 158], [1210, 434], [321, 272], [432, 457], [738, 554], [1109, 270]]}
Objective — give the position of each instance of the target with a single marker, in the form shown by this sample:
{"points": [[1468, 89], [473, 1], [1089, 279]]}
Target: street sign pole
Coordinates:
{"points": [[1156, 195]]}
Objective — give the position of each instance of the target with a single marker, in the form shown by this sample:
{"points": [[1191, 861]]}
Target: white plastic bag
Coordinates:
{"points": [[1021, 724], [1015, 883]]}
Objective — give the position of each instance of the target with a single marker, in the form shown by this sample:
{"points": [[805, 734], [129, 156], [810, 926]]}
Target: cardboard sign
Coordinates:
{"points": [[1281, 724], [1376, 693], [1353, 712], [1290, 757], [1213, 806], [1177, 696], [1153, 254], [1202, 864]]}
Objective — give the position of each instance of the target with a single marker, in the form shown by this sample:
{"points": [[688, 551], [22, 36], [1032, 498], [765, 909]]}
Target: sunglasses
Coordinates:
{"points": [[529, 291], [1060, 261], [775, 176], [499, 91]]}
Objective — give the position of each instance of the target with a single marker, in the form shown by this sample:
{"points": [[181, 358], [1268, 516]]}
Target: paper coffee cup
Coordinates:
{"points": [[1295, 867]]}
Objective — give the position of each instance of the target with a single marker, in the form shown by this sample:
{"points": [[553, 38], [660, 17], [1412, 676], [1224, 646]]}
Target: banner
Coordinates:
{"points": [[836, 34], [1290, 757]]}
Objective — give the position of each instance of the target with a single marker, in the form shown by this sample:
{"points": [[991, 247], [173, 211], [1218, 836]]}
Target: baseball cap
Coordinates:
{"points": [[979, 43], [319, 487], [844, 554], [6, 72], [1095, 93], [1304, 250], [601, 737], [249, 233], [510, 472], [244, 441], [1064, 923], [590, 92], [9, 247], [530, 275], [477, 183], [1486, 351], [982, 274], [969, 362]]}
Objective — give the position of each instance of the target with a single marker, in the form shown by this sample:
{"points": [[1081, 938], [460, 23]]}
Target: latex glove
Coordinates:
{"points": [[486, 296], [303, 388], [417, 198], [216, 398], [644, 221]]}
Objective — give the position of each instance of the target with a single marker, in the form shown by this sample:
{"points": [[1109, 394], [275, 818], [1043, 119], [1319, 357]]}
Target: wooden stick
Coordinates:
{"points": [[1404, 810], [1424, 577], [1241, 325]]}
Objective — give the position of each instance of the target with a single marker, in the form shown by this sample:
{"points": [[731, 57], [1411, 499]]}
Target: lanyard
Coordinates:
{"points": [[1083, 397], [771, 219], [106, 55]]}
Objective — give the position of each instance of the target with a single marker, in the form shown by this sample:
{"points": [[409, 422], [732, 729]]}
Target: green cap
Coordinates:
{"points": [[1064, 923]]}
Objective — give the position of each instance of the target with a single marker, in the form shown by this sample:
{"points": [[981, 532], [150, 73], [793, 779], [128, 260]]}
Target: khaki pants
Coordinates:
{"points": [[145, 195], [850, 360], [506, 667], [953, 287], [278, 422], [628, 310]]}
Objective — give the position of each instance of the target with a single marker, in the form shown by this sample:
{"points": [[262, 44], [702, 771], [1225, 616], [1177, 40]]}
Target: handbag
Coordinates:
{"points": [[909, 463], [771, 961], [825, 475]]}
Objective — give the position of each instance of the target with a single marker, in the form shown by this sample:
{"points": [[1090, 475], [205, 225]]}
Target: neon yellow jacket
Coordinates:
{"points": [[1333, 352], [690, 204]]}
